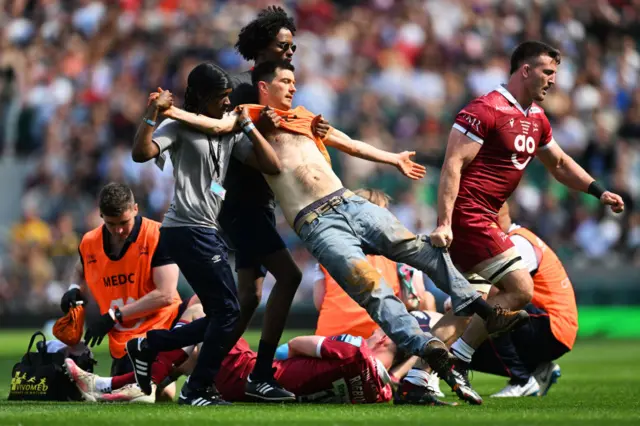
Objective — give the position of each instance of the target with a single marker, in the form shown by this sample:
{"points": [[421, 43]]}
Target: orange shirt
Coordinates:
{"points": [[117, 282], [552, 290], [297, 120], [340, 314]]}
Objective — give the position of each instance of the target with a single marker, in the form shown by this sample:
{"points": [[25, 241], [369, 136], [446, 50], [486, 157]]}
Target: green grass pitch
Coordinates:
{"points": [[600, 385]]}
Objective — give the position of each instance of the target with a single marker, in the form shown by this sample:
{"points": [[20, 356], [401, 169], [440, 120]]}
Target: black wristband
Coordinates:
{"points": [[596, 189], [118, 315]]}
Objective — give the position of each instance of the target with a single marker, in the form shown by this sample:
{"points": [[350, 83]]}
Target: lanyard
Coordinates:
{"points": [[216, 158]]}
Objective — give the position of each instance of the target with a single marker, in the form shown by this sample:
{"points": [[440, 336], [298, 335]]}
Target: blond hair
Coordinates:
{"points": [[375, 196]]}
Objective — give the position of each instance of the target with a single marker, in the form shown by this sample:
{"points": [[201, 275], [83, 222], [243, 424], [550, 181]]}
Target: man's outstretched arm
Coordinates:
{"points": [[356, 148], [569, 173], [202, 123]]}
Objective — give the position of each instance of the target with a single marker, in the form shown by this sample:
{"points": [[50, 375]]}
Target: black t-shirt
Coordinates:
{"points": [[245, 185]]}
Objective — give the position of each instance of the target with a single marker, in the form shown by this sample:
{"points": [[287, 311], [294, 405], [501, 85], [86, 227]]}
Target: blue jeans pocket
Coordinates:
{"points": [[308, 228]]}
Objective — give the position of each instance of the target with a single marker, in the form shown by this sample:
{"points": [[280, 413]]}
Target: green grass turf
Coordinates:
{"points": [[600, 385]]}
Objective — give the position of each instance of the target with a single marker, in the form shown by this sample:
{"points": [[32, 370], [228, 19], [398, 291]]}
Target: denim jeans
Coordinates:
{"points": [[339, 239]]}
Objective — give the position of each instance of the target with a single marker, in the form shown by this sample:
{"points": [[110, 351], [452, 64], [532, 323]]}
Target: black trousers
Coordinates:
{"points": [[201, 255], [519, 353]]}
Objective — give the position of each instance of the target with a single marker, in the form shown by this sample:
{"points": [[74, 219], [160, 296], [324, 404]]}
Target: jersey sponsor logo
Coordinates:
{"points": [[525, 126], [473, 121], [341, 391], [523, 144], [357, 390], [504, 108], [117, 280], [144, 250], [535, 110]]}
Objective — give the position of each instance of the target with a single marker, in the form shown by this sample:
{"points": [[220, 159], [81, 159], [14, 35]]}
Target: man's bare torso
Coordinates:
{"points": [[305, 177]]}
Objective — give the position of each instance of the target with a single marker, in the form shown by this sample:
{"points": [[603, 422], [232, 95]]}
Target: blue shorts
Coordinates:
{"points": [[252, 233]]}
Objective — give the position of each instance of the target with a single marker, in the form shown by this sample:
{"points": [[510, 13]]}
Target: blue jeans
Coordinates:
{"points": [[340, 236]]}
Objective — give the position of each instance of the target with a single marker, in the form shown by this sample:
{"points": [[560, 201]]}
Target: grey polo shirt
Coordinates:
{"points": [[194, 169]]}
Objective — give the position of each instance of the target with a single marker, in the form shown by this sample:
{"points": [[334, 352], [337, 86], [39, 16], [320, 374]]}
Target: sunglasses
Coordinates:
{"points": [[286, 46]]}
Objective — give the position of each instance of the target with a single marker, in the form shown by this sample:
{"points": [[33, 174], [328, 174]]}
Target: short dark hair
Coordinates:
{"points": [[259, 33], [266, 71], [205, 80], [532, 49], [115, 199]]}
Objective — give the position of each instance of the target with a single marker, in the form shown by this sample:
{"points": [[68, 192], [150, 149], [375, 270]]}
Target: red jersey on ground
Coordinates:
{"points": [[510, 137], [345, 372]]}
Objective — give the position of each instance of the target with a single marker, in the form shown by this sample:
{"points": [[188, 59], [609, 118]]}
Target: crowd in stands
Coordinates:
{"points": [[75, 74]]}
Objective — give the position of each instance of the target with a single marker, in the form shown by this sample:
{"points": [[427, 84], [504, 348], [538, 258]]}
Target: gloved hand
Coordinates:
{"points": [[71, 298], [98, 329]]}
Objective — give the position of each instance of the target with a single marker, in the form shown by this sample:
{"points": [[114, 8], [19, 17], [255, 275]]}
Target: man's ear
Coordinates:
{"points": [[526, 69]]}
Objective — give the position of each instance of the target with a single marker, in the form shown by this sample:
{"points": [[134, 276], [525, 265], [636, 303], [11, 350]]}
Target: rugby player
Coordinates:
{"points": [[335, 369], [492, 141], [527, 354]]}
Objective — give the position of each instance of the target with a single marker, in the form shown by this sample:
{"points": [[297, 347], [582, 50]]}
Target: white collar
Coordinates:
{"points": [[382, 372], [504, 92]]}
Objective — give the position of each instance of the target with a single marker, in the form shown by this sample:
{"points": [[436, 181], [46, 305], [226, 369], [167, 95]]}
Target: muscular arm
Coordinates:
{"points": [[144, 149], [461, 150], [305, 346], [204, 124], [359, 149], [165, 279], [263, 157], [564, 168]]}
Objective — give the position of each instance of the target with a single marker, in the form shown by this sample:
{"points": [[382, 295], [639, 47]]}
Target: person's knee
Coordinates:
{"points": [[249, 300], [193, 313], [518, 286]]}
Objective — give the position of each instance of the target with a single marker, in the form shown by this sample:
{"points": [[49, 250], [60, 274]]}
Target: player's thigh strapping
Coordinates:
{"points": [[483, 251]]}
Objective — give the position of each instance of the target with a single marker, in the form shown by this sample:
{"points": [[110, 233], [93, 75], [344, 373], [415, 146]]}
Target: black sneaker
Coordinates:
{"points": [[141, 357], [267, 391], [200, 397], [410, 394], [446, 365]]}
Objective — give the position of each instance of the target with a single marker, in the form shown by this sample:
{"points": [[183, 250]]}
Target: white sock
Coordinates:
{"points": [[417, 377], [103, 384], [462, 350]]}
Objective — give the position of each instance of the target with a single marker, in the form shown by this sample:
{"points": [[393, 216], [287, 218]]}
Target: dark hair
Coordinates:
{"points": [[529, 50], [205, 80], [266, 71], [115, 199], [259, 33]]}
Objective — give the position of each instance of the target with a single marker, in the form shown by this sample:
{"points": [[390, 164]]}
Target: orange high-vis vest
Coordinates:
{"points": [[552, 290], [340, 314], [297, 120], [120, 282]]}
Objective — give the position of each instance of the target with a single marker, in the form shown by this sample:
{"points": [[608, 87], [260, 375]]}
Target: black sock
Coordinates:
{"points": [[482, 308], [264, 364]]}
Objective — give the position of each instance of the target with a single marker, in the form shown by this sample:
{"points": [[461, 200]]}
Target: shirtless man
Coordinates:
{"points": [[338, 226]]}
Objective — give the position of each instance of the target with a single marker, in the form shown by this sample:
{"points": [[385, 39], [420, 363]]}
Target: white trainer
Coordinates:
{"points": [[531, 388], [547, 375], [85, 381], [129, 393], [434, 383]]}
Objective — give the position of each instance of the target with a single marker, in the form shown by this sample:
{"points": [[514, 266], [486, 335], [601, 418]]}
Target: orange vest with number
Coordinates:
{"points": [[552, 290], [340, 314], [120, 282]]}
